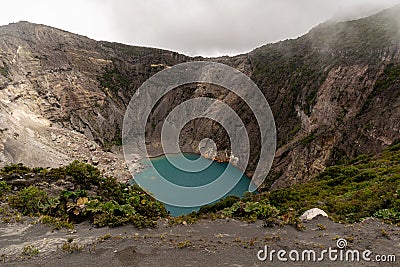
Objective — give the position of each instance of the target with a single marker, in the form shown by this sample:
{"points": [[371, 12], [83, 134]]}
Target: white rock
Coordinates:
{"points": [[312, 213]]}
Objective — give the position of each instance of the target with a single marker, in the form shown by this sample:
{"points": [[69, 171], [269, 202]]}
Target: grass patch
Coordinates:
{"points": [[29, 251]]}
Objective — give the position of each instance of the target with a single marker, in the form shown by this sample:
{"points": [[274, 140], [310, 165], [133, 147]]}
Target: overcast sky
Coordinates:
{"points": [[192, 27]]}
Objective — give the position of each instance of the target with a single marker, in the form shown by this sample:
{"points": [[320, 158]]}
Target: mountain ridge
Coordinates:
{"points": [[329, 91]]}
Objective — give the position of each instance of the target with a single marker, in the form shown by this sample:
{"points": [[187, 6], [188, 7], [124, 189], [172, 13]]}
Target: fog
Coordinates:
{"points": [[196, 27]]}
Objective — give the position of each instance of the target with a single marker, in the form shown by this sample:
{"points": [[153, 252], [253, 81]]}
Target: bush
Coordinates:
{"points": [[57, 223], [389, 215], [84, 175], [17, 169], [220, 205], [4, 188], [30, 251], [30, 201], [251, 211]]}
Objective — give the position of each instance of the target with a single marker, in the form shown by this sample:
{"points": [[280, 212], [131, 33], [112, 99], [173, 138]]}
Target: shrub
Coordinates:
{"points": [[84, 175], [71, 247], [220, 205], [29, 201], [251, 211], [57, 223], [389, 215], [17, 169], [30, 251], [4, 70], [4, 188], [184, 244], [113, 80]]}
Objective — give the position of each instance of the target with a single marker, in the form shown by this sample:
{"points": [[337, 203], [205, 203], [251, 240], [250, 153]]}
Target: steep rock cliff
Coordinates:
{"points": [[334, 93]]}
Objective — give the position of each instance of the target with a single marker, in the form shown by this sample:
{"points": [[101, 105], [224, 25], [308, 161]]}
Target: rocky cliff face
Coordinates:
{"points": [[334, 93], [61, 95]]}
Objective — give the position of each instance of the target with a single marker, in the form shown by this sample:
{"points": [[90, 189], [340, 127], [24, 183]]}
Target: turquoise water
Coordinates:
{"points": [[190, 179]]}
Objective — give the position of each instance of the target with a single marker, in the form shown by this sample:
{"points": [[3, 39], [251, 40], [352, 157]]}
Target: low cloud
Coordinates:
{"points": [[219, 27], [195, 27]]}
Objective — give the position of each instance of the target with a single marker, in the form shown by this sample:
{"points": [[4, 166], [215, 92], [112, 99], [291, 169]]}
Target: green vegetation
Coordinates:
{"points": [[273, 175], [251, 211], [220, 205], [57, 223], [294, 131], [109, 203], [4, 71], [18, 168], [308, 139], [29, 201], [9, 215], [389, 215], [29, 251], [297, 67], [310, 101], [71, 247], [338, 157], [291, 72], [116, 141], [389, 78], [113, 80], [4, 188], [104, 237], [367, 186], [357, 38], [184, 244]]}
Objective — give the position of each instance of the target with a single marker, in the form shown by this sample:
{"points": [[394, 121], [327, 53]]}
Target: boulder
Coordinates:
{"points": [[312, 213]]}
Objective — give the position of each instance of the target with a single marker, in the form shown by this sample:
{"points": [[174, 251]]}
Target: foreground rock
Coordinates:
{"points": [[312, 213]]}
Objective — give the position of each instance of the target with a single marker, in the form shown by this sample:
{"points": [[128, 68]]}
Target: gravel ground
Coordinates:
{"points": [[207, 243]]}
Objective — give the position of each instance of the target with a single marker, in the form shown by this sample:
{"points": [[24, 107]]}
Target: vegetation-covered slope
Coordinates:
{"points": [[368, 186], [72, 194]]}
